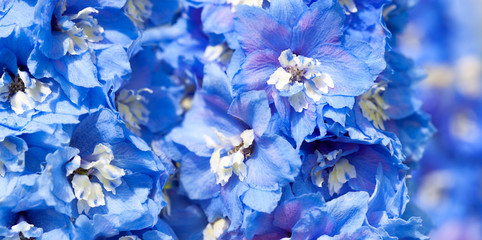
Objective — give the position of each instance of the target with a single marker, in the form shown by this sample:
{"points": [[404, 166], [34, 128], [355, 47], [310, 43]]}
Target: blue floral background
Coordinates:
{"points": [[240, 119]]}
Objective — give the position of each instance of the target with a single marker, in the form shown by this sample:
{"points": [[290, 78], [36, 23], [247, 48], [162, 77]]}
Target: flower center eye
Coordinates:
{"points": [[245, 151], [229, 155], [349, 6], [82, 171], [296, 74], [22, 91], [132, 108], [16, 85], [335, 175], [373, 106], [81, 29], [138, 11], [300, 78], [215, 229], [25, 230], [236, 3]]}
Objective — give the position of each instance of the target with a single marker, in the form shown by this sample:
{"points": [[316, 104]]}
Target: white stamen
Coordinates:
{"points": [[229, 155], [81, 29], [299, 78], [89, 194], [341, 173], [349, 6], [132, 109], [373, 106], [11, 159], [236, 3], [338, 175], [214, 230], [25, 98], [138, 11]]}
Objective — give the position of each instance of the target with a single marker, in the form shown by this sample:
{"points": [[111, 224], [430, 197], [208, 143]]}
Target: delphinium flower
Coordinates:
{"points": [[226, 142], [28, 103], [299, 57], [391, 112], [152, 84], [355, 215], [82, 45], [336, 167]]}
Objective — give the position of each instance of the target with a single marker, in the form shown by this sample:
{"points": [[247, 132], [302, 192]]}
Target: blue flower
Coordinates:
{"points": [[152, 84], [336, 167], [391, 106], [82, 46], [35, 223], [227, 143], [28, 104], [12, 155], [107, 181], [354, 215], [298, 56]]}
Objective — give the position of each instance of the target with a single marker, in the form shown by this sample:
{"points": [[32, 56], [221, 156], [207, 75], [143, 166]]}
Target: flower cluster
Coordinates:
{"points": [[203, 119]]}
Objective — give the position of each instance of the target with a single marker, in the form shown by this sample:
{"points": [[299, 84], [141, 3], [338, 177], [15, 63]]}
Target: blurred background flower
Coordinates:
{"points": [[445, 37]]}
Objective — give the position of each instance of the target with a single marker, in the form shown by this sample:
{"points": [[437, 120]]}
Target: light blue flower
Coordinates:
{"points": [[28, 104], [108, 180], [228, 145]]}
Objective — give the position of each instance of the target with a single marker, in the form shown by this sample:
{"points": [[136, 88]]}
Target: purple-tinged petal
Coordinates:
{"points": [[258, 30], [256, 70], [322, 25]]}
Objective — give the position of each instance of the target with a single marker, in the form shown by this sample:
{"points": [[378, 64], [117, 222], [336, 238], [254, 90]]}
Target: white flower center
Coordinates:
{"points": [[373, 106], [138, 11], [89, 194], [23, 230], [129, 238], [234, 151], [81, 29], [214, 230], [236, 3], [464, 125], [299, 77], [23, 92], [12, 155], [131, 107], [349, 6], [338, 175]]}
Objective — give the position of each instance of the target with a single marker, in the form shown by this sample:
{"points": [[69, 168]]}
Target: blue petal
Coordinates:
{"points": [[287, 11], [113, 63], [259, 200], [256, 70], [349, 211], [197, 178], [253, 109], [350, 75], [322, 25], [217, 19], [302, 124], [274, 163], [258, 30]]}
